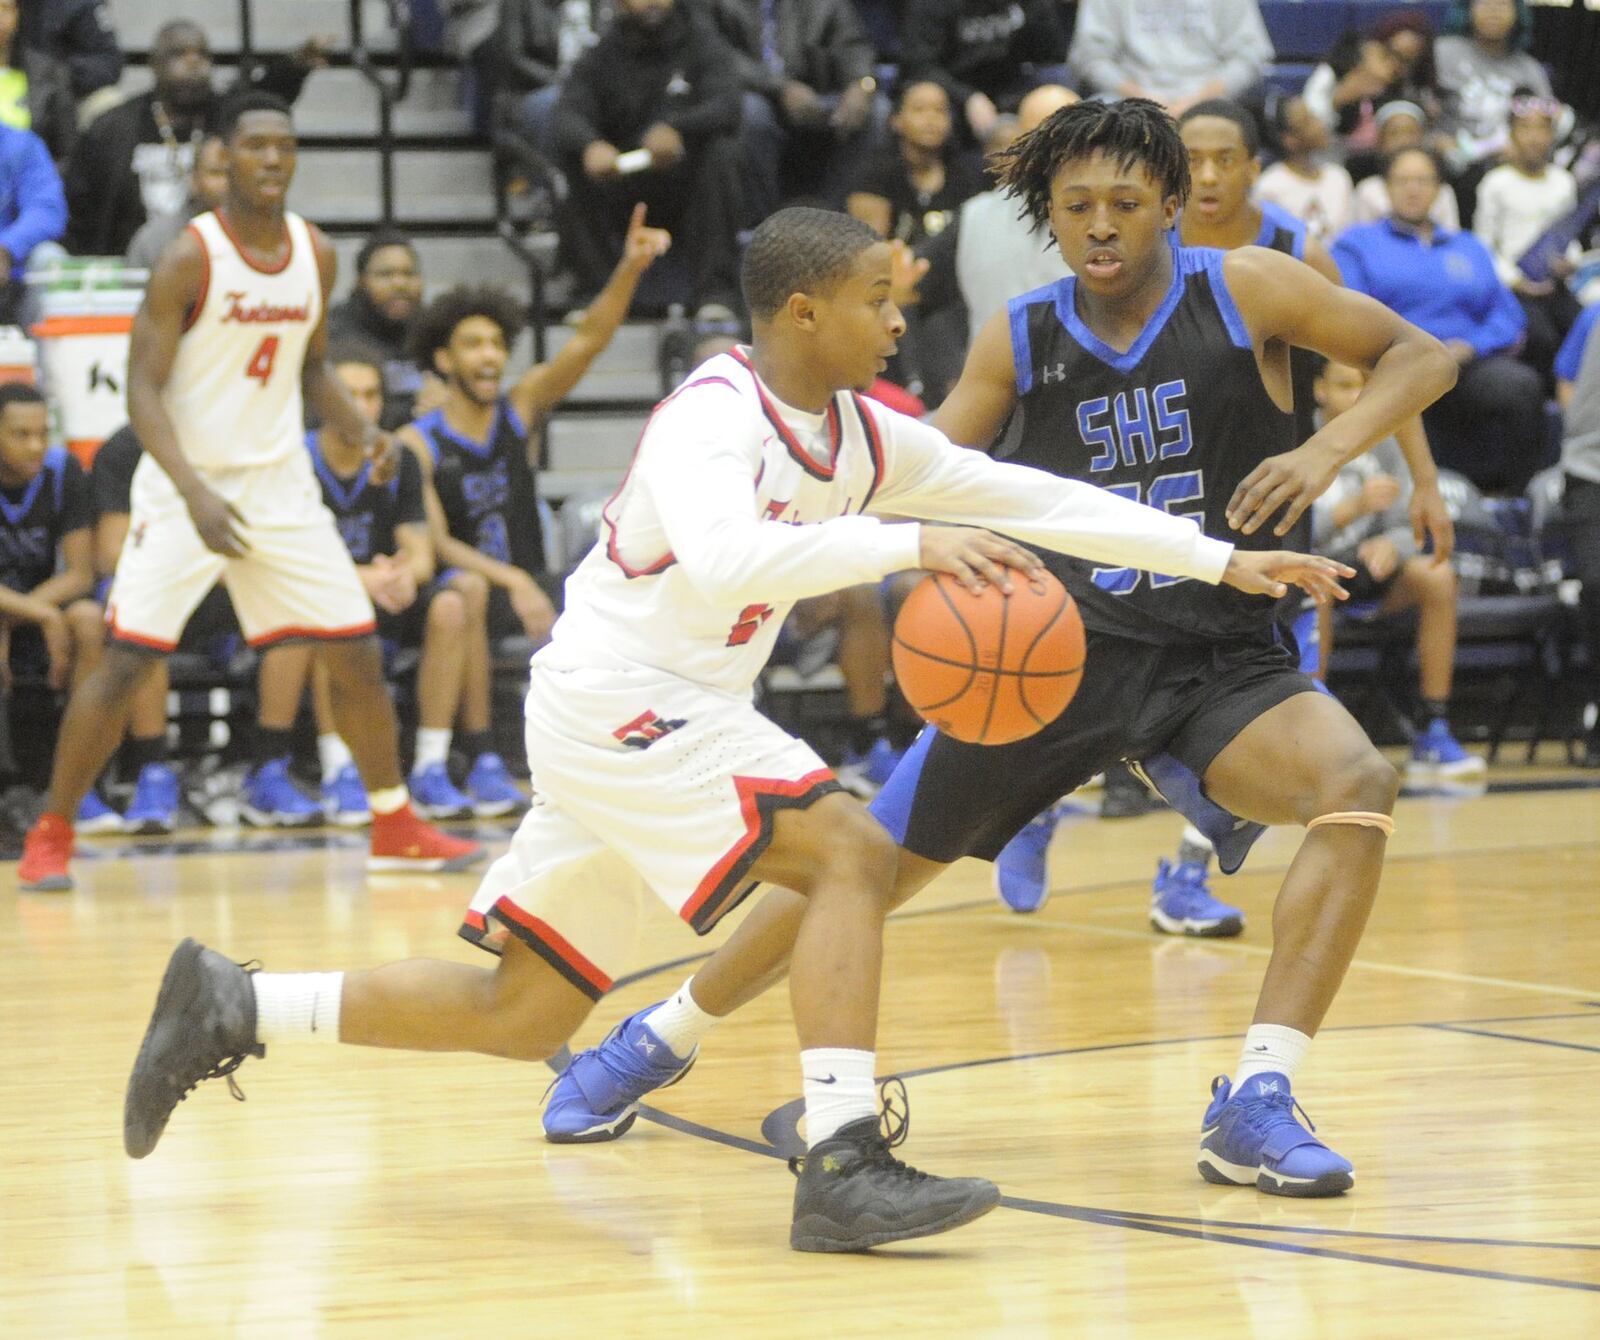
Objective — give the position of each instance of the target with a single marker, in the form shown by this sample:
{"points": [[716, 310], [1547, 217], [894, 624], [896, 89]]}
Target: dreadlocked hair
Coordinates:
{"points": [[1134, 130]]}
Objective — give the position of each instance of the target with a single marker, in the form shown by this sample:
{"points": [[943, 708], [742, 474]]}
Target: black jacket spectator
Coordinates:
{"points": [[980, 46], [44, 104], [530, 42], [80, 34], [819, 42], [132, 162]]}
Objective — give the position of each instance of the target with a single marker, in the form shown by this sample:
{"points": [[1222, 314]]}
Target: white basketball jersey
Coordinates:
{"points": [[234, 391]]}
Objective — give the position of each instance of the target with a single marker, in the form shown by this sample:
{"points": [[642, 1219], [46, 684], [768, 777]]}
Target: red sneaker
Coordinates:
{"points": [[45, 853], [402, 841]]}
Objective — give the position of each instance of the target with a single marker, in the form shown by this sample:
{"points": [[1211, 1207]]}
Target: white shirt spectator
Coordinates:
{"points": [[1514, 209], [1171, 48], [1372, 204], [1324, 203]]}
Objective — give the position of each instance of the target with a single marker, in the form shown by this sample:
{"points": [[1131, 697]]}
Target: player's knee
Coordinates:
{"points": [[1366, 781], [87, 623], [124, 669], [1438, 581], [473, 588], [861, 852], [354, 661], [447, 615]]}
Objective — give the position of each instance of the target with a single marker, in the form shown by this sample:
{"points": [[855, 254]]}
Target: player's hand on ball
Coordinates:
{"points": [[1292, 481], [1272, 572], [218, 522], [976, 558]]}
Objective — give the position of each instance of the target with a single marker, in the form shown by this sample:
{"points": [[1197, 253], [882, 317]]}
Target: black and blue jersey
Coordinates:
{"points": [[37, 515], [368, 514]]}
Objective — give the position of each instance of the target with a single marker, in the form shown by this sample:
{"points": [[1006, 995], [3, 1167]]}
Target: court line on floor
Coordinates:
{"points": [[1400, 969], [1513, 1037]]}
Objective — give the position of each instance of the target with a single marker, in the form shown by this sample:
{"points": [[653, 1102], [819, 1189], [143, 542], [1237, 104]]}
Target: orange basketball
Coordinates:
{"points": [[989, 668]]}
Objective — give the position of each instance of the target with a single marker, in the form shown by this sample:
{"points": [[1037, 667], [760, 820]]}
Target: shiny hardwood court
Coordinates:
{"points": [[1067, 1055]]}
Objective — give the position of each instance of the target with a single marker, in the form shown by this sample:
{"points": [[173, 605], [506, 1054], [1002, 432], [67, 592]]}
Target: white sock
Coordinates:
{"points": [[388, 800], [433, 746], [680, 1023], [1270, 1047], [297, 1006], [335, 755], [839, 1089]]}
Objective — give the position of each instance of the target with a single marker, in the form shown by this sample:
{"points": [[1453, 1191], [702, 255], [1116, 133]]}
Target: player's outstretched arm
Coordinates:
{"points": [[1282, 299], [546, 384], [1271, 572], [174, 290]]}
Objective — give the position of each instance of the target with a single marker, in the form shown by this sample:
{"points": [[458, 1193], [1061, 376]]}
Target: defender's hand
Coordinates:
{"points": [[1293, 480], [975, 558], [1430, 520], [218, 521], [1269, 573]]}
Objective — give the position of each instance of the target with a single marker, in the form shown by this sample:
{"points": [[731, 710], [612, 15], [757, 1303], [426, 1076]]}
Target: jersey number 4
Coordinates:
{"points": [[1170, 493], [260, 364]]}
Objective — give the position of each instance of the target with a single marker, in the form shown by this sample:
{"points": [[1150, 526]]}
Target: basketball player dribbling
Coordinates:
{"points": [[653, 770], [227, 345], [1159, 372]]}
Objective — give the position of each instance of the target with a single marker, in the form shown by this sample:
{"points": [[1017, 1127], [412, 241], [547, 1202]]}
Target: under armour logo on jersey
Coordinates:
{"points": [[645, 729], [1058, 373]]}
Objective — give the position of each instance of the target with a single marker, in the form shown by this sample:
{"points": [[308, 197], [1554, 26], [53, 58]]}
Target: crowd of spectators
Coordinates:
{"points": [[1438, 172]]}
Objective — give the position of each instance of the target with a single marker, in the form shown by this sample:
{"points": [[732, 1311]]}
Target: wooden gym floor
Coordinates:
{"points": [[1067, 1055]]}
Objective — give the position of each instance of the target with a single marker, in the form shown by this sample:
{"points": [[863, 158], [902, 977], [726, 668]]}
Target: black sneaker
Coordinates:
{"points": [[203, 1027], [1125, 796], [854, 1194]]}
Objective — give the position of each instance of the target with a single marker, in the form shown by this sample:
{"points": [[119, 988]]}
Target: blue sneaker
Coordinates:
{"points": [[881, 761], [491, 790], [344, 799], [95, 816], [1437, 757], [434, 795], [1181, 903], [272, 800], [1252, 1136], [155, 800], [597, 1097], [1020, 875]]}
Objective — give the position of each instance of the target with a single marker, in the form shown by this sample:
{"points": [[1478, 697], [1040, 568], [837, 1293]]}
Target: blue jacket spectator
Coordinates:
{"points": [[33, 207], [1490, 427], [1570, 356]]}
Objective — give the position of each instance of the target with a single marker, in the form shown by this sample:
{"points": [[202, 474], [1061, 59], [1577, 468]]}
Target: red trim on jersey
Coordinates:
{"points": [[760, 798], [193, 314], [288, 251], [136, 639], [554, 948], [612, 552], [786, 435], [874, 445], [313, 634]]}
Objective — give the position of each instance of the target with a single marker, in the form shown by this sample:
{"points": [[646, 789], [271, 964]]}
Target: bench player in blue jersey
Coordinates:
{"points": [[1162, 373]]}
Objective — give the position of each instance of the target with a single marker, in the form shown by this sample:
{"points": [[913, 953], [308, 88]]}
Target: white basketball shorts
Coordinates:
{"points": [[641, 780], [297, 579]]}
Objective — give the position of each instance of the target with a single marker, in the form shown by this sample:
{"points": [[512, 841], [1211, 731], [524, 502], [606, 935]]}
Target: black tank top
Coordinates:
{"points": [[487, 489], [1176, 422]]}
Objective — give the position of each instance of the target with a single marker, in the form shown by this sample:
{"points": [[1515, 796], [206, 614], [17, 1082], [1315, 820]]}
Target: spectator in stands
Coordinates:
{"points": [[1318, 193], [806, 68], [1482, 61], [1580, 462], [1345, 91], [440, 615], [478, 450], [1490, 426], [49, 623], [380, 313], [1178, 52], [985, 53], [136, 159], [1517, 202], [79, 33], [910, 191], [33, 214], [1569, 359], [1362, 520], [1401, 125], [540, 41], [650, 114], [35, 90], [211, 631], [1410, 37], [208, 187]]}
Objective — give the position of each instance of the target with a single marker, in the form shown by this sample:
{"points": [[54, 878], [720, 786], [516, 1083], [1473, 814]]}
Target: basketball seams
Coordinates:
{"points": [[962, 665], [1044, 632], [999, 660]]}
